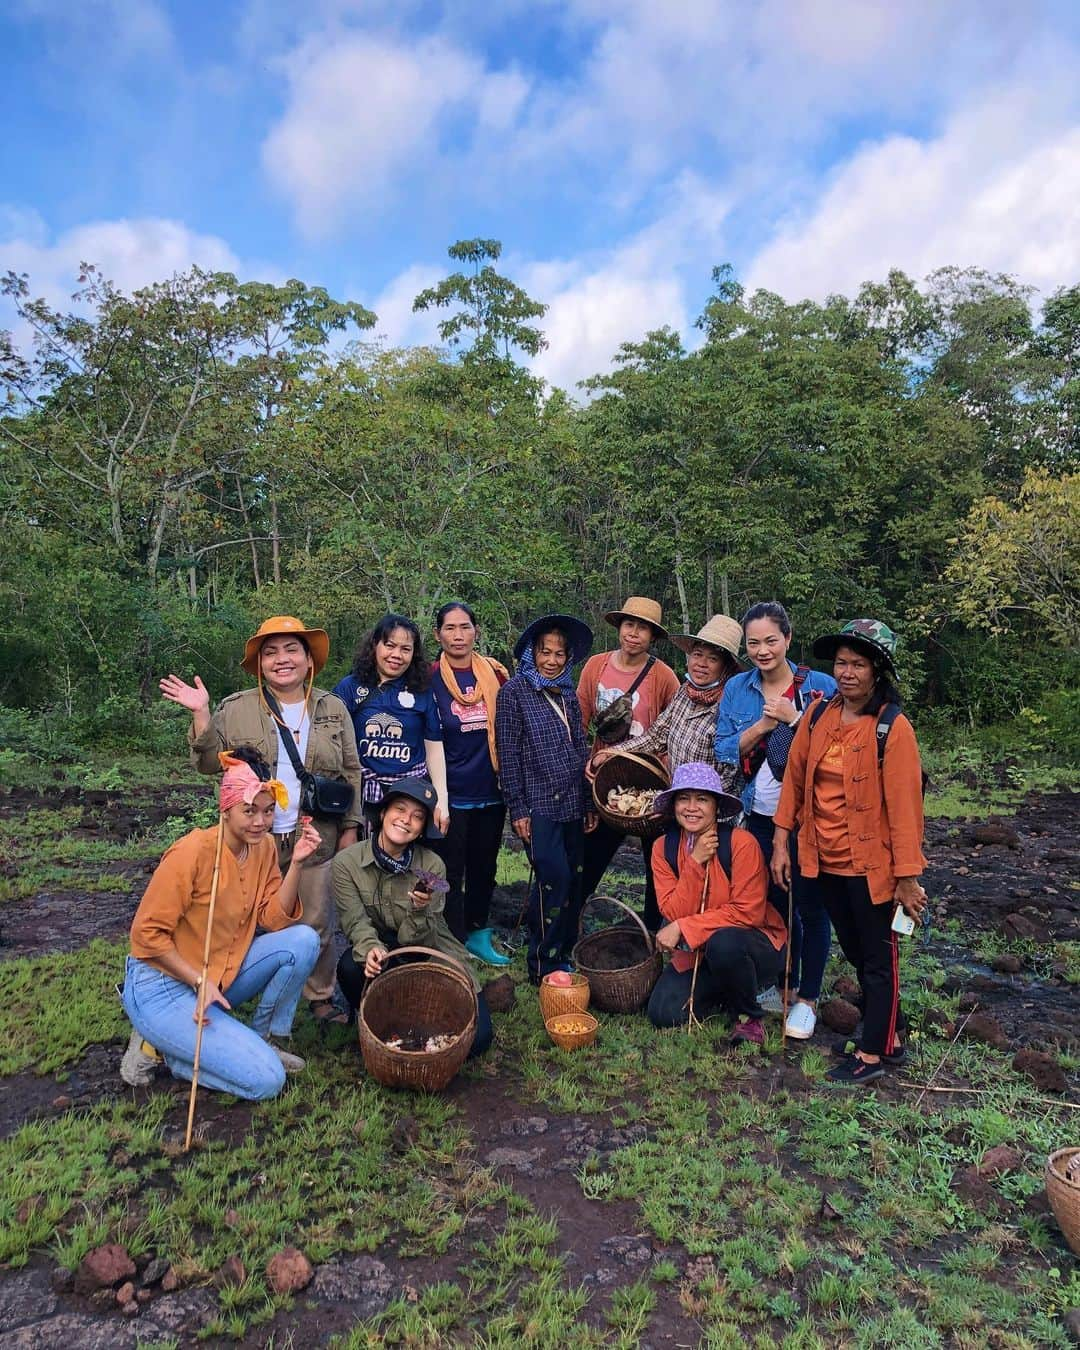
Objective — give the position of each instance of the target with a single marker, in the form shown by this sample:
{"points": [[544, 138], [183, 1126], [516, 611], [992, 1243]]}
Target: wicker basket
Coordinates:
{"points": [[573, 1040], [430, 997], [556, 998], [622, 988], [624, 769], [1064, 1195]]}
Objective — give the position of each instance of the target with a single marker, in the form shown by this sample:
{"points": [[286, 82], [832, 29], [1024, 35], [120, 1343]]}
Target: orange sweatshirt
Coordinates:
{"points": [[738, 904], [884, 809], [175, 905]]}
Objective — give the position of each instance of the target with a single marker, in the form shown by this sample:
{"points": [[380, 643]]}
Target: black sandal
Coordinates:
{"points": [[327, 1014]]}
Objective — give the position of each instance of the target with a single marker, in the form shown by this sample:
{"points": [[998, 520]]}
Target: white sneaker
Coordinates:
{"points": [[139, 1062], [769, 1000], [801, 1021], [289, 1062]]}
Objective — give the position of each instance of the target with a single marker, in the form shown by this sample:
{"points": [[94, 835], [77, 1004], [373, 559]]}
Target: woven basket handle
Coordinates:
{"points": [[646, 761], [649, 942], [456, 968]]}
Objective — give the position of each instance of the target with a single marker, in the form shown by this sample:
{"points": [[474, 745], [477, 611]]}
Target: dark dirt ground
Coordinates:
{"points": [[1010, 877]]}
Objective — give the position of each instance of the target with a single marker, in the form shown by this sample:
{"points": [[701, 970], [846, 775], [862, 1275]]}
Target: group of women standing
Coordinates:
{"points": [[427, 761]]}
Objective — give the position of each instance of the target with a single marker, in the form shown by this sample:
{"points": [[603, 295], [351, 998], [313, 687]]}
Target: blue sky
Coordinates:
{"points": [[619, 150]]}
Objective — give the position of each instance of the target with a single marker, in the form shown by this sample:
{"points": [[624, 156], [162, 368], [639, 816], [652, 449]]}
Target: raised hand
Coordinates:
{"points": [[308, 840], [705, 846], [194, 697]]}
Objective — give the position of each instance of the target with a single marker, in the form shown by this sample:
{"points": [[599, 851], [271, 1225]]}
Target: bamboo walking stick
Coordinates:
{"points": [[787, 960], [200, 999], [692, 1017]]}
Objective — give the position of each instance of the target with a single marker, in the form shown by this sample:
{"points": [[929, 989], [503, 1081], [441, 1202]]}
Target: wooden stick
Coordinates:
{"points": [[200, 1000], [988, 1092], [691, 1016], [525, 906], [787, 962], [948, 1051]]}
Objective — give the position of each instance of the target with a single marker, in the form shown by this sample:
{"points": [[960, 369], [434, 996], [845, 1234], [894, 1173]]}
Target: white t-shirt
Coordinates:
{"points": [[285, 819]]}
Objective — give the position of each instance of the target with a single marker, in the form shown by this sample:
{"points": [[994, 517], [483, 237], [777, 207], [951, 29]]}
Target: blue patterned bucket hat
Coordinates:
{"points": [[580, 635], [698, 777]]}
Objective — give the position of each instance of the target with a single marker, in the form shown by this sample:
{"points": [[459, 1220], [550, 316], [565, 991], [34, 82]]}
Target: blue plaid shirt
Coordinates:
{"points": [[542, 770]]}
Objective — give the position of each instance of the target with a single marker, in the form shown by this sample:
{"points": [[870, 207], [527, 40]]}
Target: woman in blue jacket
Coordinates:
{"points": [[754, 727]]}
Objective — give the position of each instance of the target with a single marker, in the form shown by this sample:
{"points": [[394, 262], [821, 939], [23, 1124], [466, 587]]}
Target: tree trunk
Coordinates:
{"points": [[725, 599], [248, 531], [275, 541]]}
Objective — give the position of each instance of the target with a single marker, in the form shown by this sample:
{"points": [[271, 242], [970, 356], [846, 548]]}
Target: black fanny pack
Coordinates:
{"points": [[327, 798], [613, 724]]}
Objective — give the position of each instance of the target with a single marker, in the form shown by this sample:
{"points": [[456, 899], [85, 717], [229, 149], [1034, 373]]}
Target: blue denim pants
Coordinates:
{"points": [[811, 932], [234, 1058]]}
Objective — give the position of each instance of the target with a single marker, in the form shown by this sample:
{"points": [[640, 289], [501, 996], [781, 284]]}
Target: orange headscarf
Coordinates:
{"points": [[241, 783]]}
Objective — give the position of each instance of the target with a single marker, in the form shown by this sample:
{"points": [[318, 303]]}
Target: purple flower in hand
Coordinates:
{"points": [[430, 881]]}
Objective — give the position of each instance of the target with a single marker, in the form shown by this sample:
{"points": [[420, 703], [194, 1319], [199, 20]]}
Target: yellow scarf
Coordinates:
{"points": [[486, 671]]}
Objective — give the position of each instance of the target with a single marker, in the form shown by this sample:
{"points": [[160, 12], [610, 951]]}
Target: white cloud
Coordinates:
{"points": [[365, 112], [997, 189], [398, 325]]}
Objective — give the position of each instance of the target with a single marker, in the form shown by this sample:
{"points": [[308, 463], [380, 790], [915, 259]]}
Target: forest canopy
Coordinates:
{"points": [[177, 463]]}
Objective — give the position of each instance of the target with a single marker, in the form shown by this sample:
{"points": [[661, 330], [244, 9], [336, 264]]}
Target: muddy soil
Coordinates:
{"points": [[1015, 877]]}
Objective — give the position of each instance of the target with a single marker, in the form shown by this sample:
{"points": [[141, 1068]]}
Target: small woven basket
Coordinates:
{"points": [[429, 997], [562, 998], [617, 988], [1064, 1194], [573, 1040], [625, 769]]}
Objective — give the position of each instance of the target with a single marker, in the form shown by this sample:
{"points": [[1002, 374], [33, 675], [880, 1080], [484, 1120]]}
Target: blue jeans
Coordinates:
{"points": [[555, 898], [234, 1058], [811, 932]]}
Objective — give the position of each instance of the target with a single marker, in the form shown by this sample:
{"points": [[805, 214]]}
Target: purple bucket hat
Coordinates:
{"points": [[699, 777]]}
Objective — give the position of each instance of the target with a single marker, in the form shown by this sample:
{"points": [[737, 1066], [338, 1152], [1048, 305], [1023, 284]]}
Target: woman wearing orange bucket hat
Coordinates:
{"points": [[305, 734]]}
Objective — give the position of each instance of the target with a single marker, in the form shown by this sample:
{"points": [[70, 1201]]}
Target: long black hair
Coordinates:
{"points": [[768, 609], [418, 674]]}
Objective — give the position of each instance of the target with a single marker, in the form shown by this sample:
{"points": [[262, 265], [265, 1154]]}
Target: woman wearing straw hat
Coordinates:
{"points": [[284, 656], [754, 728], [621, 694], [542, 751], [686, 730], [726, 941], [853, 786], [167, 971], [389, 893]]}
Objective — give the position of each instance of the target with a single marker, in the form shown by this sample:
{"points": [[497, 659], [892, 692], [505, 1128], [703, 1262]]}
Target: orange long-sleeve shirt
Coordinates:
{"points": [[175, 905], [740, 903], [884, 809]]}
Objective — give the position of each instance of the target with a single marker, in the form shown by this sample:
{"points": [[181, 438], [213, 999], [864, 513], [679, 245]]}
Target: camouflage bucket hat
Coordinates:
{"points": [[870, 635]]}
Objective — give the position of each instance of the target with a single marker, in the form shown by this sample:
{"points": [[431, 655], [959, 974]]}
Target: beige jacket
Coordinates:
{"points": [[241, 719]]}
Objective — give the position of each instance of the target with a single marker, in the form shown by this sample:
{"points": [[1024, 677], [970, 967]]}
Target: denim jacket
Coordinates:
{"points": [[743, 703]]}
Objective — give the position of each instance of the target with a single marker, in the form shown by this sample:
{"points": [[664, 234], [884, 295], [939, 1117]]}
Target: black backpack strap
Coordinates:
{"points": [[671, 848], [820, 704], [723, 848], [801, 673], [886, 717]]}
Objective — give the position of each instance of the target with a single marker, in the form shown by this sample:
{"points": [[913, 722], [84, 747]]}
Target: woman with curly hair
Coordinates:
{"points": [[394, 713]]}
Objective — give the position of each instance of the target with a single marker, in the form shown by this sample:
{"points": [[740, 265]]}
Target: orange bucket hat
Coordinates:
{"points": [[317, 639]]}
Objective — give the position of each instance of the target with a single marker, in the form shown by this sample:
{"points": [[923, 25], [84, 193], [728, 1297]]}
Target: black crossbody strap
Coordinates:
{"points": [[648, 666], [285, 736]]}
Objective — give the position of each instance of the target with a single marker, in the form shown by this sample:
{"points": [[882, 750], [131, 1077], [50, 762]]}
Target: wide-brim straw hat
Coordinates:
{"points": [[416, 789], [317, 639], [579, 633], [872, 636], [721, 632], [639, 607], [697, 777]]}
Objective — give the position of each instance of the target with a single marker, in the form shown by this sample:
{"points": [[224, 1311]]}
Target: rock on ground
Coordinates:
{"points": [[1043, 1070], [289, 1270], [104, 1267], [980, 1027], [1003, 1158], [839, 1015]]}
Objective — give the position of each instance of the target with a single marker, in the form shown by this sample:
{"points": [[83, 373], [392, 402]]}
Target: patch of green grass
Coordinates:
{"points": [[52, 1007]]}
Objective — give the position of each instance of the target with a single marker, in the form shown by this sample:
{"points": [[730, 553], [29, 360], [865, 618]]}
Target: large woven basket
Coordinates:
{"points": [[428, 997], [1064, 1195], [617, 988], [563, 998], [625, 769]]}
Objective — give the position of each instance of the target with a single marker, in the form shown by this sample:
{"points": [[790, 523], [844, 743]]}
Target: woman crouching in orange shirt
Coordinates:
{"points": [[853, 785], [168, 935], [711, 886]]}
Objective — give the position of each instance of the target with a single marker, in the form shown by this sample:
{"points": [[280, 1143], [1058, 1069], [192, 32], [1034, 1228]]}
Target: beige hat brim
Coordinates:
{"points": [[616, 616], [685, 643]]}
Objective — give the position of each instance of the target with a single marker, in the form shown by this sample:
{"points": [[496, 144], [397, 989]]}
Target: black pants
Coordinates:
{"points": [[735, 964], [352, 979], [470, 852], [555, 896], [600, 847], [865, 934]]}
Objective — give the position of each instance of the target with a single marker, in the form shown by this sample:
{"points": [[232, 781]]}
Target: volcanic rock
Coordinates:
{"points": [[289, 1270], [103, 1267]]}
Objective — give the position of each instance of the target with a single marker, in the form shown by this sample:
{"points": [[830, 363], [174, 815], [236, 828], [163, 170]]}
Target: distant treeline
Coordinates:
{"points": [[178, 463]]}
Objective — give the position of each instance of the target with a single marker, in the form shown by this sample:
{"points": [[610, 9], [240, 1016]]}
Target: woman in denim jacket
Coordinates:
{"points": [[768, 699]]}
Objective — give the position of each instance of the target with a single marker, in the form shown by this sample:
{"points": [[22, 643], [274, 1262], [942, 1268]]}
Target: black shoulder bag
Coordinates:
{"points": [[613, 724], [327, 798]]}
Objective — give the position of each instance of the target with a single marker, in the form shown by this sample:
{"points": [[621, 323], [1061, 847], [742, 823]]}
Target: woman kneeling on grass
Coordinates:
{"points": [[711, 885], [389, 893], [168, 937], [853, 786]]}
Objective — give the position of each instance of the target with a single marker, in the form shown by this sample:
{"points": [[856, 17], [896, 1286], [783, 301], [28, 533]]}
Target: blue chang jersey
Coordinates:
{"points": [[391, 725]]}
